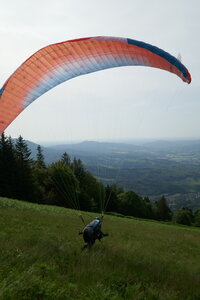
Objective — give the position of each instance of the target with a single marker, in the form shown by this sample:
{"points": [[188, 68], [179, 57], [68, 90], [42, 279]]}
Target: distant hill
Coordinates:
{"points": [[88, 149], [181, 145], [99, 147], [154, 150]]}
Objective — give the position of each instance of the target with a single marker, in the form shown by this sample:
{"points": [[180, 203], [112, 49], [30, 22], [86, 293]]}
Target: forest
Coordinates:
{"points": [[69, 184]]}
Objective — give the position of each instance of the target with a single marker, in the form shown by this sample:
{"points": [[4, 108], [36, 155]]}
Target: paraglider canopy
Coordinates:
{"points": [[60, 62]]}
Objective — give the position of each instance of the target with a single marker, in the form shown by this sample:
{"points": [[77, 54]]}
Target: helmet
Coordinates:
{"points": [[99, 218]]}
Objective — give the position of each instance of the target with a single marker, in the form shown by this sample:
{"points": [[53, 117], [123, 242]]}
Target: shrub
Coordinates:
{"points": [[183, 216]]}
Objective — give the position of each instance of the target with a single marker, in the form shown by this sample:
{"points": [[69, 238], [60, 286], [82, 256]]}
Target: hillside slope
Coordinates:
{"points": [[41, 257]]}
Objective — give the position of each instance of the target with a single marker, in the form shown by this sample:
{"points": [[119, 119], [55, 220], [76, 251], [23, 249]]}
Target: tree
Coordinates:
{"points": [[92, 193], [22, 151], [39, 163], [66, 159], [63, 184], [79, 170], [148, 208], [163, 212], [39, 172], [183, 216], [111, 194], [8, 168], [25, 188], [197, 218], [40, 176], [131, 204]]}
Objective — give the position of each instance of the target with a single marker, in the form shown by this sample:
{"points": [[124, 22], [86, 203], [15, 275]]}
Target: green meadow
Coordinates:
{"points": [[41, 257]]}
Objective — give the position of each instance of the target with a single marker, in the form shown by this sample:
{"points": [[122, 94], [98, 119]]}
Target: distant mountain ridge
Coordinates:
{"points": [[89, 146], [150, 150]]}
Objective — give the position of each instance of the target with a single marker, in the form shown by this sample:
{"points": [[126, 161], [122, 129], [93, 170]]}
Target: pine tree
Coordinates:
{"points": [[25, 186], [163, 211], [22, 151], [66, 159], [8, 168], [79, 170], [40, 158]]}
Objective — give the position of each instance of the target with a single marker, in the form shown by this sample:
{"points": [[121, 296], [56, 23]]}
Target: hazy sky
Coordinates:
{"points": [[120, 103]]}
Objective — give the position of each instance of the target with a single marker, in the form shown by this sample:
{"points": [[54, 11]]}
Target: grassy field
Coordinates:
{"points": [[41, 257]]}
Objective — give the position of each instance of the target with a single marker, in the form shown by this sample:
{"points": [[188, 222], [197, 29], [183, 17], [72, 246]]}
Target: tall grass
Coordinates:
{"points": [[41, 257]]}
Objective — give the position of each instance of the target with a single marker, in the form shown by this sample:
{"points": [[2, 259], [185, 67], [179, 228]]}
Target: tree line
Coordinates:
{"points": [[67, 183]]}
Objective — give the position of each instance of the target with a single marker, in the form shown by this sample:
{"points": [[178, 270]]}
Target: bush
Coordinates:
{"points": [[183, 216], [197, 218]]}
